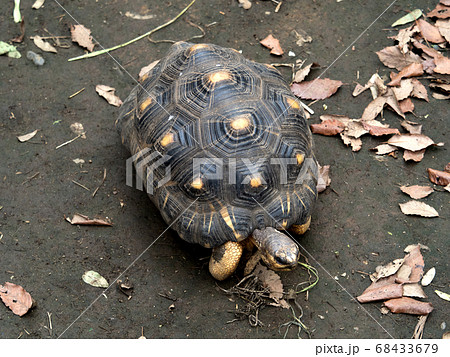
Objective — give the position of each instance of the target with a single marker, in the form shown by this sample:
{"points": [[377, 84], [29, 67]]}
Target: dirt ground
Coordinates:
{"points": [[360, 218]]}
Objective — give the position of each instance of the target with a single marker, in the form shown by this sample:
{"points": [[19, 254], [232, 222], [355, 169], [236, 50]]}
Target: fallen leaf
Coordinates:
{"points": [[440, 11], [412, 127], [404, 37], [411, 70], [447, 167], [37, 4], [82, 36], [404, 89], [356, 144], [78, 161], [16, 298], [444, 28], [428, 277], [413, 142], [43, 45], [419, 90], [273, 44], [359, 89], [355, 129], [403, 274], [413, 15], [272, 281], [392, 57], [316, 89], [392, 102], [378, 130], [134, 16], [389, 291], [441, 86], [406, 106], [301, 37], [383, 271], [82, 220], [301, 74], [415, 156], [324, 179], [413, 290], [406, 305], [445, 2], [108, 93], [447, 188], [442, 65], [374, 108], [78, 129], [440, 96], [246, 4], [95, 279], [26, 137], [418, 209], [429, 32], [417, 192], [442, 295], [328, 127], [384, 149], [147, 69], [441, 178], [19, 39], [9, 50]]}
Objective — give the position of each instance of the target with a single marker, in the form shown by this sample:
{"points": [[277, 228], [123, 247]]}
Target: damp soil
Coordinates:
{"points": [[356, 225]]}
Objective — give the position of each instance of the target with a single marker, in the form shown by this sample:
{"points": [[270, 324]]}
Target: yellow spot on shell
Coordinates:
{"points": [[284, 224], [197, 47], [219, 76], [293, 103], [300, 158], [240, 123], [167, 139], [255, 182], [197, 183], [145, 104], [227, 219]]}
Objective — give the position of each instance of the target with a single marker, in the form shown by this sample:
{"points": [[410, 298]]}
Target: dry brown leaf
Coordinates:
{"points": [[415, 156], [419, 90], [441, 178], [355, 129], [43, 45], [374, 108], [19, 39], [341, 118], [384, 149], [444, 28], [389, 291], [301, 74], [26, 137], [445, 2], [272, 281], [406, 106], [324, 179], [417, 208], [147, 69], [428, 277], [328, 127], [412, 142], [412, 127], [383, 271], [356, 144], [404, 90], [429, 32], [392, 102], [440, 11], [78, 129], [16, 298], [37, 4], [108, 93], [273, 44], [359, 89], [440, 96], [442, 65], [413, 290], [417, 192], [378, 130], [82, 220], [392, 57], [406, 305], [404, 37], [447, 167], [82, 36], [316, 89], [411, 70], [441, 86]]}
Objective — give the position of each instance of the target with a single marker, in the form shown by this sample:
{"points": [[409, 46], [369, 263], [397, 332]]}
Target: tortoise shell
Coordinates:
{"points": [[221, 143]]}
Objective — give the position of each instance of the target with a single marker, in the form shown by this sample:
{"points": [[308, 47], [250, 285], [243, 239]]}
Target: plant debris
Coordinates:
{"points": [[412, 142], [78, 129], [441, 178], [82, 220], [9, 50], [37, 4], [95, 279], [316, 89], [43, 45], [413, 15], [16, 298], [108, 93], [135, 16], [417, 208], [442, 295], [406, 305], [428, 277], [245, 4], [417, 192], [324, 179], [273, 44], [26, 137], [82, 36]]}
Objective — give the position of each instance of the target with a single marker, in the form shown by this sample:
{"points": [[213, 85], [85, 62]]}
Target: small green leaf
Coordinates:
{"points": [[9, 50], [16, 12], [413, 15], [95, 279], [442, 295]]}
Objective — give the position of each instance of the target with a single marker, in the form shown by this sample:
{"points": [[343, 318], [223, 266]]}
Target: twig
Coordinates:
{"points": [[418, 330], [30, 178], [74, 94], [68, 142], [97, 53], [189, 39], [103, 181], [50, 327], [278, 6], [79, 184]]}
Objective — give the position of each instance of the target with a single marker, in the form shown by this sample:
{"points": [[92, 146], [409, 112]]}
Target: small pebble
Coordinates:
{"points": [[37, 59]]}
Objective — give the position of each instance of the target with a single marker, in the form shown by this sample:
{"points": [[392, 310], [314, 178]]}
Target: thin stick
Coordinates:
{"points": [[68, 142], [49, 37], [74, 94], [30, 178], [50, 327], [79, 184], [103, 181], [97, 53]]}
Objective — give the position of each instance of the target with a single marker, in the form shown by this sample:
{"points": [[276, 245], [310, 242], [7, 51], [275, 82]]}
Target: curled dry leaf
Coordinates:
{"points": [[404, 37], [412, 127], [412, 142], [392, 57], [441, 178], [147, 69], [440, 96], [406, 305], [419, 90], [43, 45], [16, 298], [376, 128], [442, 65], [108, 93], [383, 271], [78, 129], [328, 127], [26, 137], [415, 156], [95, 279], [429, 32], [413, 290], [272, 281], [384, 292], [82, 36], [441, 86], [417, 192], [444, 28], [440, 11], [384, 149], [301, 74], [273, 44], [316, 89], [407, 106], [411, 70], [359, 89], [82, 220], [417, 208], [324, 179], [428, 277], [404, 89], [355, 143]]}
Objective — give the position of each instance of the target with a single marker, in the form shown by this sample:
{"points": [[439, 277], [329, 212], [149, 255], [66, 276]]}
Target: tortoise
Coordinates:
{"points": [[225, 152]]}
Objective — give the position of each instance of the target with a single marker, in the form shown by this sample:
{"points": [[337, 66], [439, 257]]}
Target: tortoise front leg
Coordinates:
{"points": [[225, 259]]}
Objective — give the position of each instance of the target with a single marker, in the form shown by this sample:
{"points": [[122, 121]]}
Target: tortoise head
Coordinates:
{"points": [[278, 251]]}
